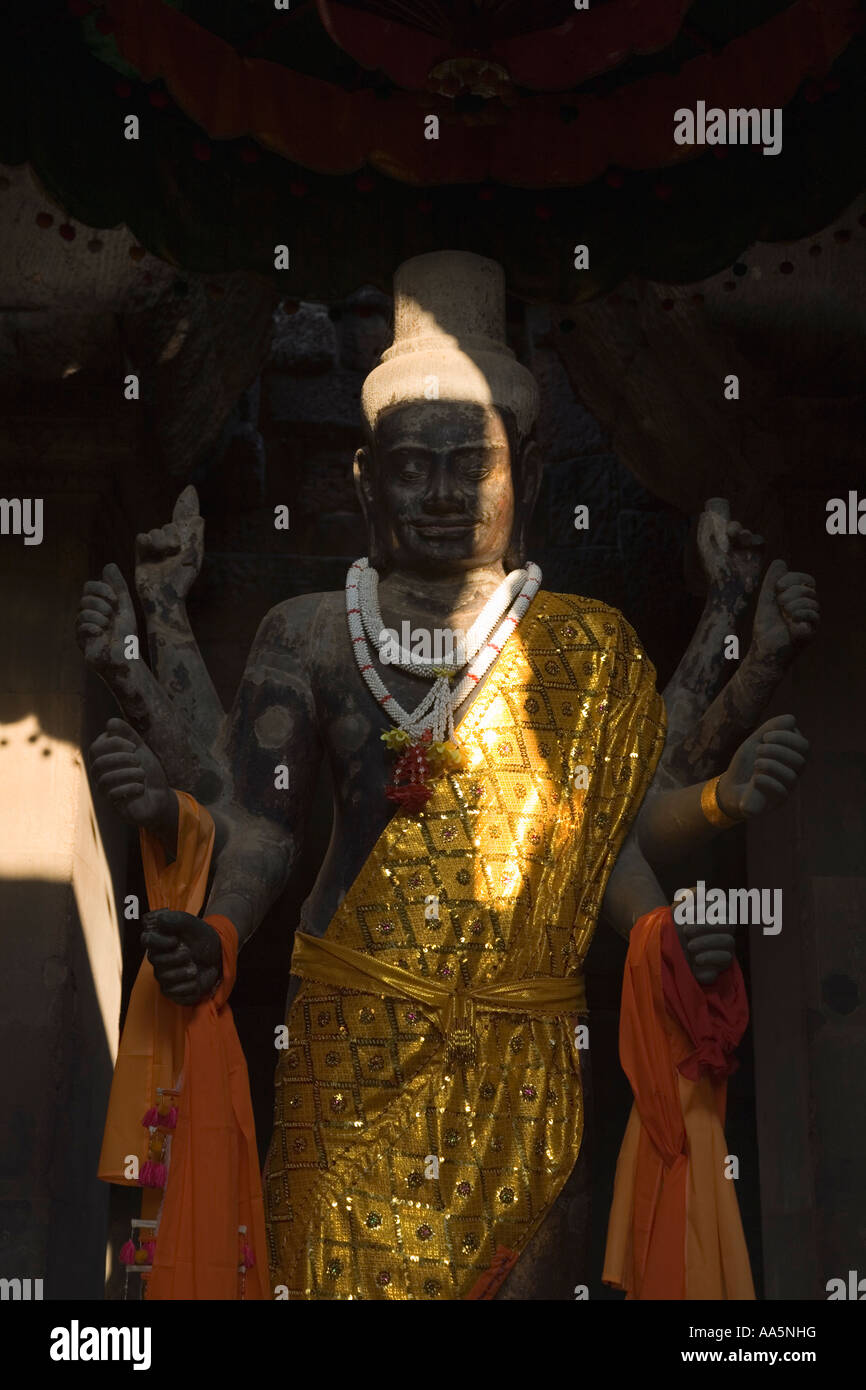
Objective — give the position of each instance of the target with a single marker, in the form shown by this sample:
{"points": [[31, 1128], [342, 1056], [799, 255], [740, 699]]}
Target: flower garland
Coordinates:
{"points": [[424, 738]]}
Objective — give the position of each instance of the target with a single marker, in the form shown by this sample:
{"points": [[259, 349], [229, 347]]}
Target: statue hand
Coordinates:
{"points": [[168, 559], [786, 615], [730, 555], [764, 768], [186, 955], [105, 618], [708, 950], [131, 777]]}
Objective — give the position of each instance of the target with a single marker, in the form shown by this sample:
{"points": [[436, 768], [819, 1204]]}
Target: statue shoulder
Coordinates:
{"points": [[601, 623], [295, 622], [606, 622], [303, 609]]}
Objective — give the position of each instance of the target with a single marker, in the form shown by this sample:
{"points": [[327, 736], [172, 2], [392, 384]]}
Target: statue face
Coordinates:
{"points": [[440, 492]]}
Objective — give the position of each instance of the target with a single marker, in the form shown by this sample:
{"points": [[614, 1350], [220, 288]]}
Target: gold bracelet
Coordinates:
{"points": [[710, 805]]}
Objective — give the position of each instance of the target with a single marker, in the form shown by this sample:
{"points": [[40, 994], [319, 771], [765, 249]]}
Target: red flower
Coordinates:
{"points": [[411, 797]]}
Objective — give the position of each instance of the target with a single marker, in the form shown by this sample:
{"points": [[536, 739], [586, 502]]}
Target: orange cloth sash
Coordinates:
{"points": [[675, 1230], [213, 1184]]}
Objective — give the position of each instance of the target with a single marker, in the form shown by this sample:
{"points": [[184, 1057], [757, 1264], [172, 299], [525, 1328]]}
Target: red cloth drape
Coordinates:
{"points": [[675, 1230]]}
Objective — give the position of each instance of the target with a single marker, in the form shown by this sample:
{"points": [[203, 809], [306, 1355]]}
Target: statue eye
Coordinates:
{"points": [[476, 465], [408, 466]]}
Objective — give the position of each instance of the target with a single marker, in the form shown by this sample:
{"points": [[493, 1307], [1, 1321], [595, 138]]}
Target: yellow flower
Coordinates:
{"points": [[396, 739], [446, 757]]}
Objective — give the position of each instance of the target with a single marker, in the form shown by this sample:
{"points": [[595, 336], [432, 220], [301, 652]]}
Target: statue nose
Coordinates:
{"points": [[443, 495]]}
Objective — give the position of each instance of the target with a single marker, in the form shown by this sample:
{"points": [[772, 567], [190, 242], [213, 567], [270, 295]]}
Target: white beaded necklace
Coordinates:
{"points": [[436, 710], [477, 635]]}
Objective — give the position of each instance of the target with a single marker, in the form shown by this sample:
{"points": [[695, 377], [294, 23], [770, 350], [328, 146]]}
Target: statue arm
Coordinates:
{"points": [[671, 824], [168, 561], [270, 751], [764, 769], [632, 888], [107, 634], [730, 557], [786, 618], [272, 747]]}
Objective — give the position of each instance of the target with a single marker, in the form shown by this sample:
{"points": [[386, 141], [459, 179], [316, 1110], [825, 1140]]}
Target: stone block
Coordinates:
{"points": [[305, 341], [589, 482], [565, 429], [332, 398]]}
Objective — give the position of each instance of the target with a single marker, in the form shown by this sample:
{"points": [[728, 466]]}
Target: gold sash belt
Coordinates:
{"points": [[454, 1010]]}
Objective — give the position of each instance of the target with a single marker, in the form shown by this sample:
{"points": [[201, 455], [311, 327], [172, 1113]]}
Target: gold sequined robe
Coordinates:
{"points": [[393, 1173]]}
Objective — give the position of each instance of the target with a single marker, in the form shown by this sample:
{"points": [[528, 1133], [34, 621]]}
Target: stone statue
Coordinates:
{"points": [[447, 477]]}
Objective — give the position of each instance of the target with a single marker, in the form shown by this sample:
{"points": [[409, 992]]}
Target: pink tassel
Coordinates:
{"points": [[152, 1174], [170, 1120], [151, 1118], [248, 1259], [150, 1246], [127, 1253]]}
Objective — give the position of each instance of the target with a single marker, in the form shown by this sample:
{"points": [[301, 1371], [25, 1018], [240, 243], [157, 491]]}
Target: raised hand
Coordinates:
{"points": [[131, 777], [730, 555], [106, 618], [186, 955], [787, 613], [168, 559], [764, 769]]}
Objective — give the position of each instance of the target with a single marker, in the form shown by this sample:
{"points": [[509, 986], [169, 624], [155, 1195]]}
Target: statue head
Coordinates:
{"points": [[448, 473]]}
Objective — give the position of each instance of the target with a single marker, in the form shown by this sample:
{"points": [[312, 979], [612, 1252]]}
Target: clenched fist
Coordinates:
{"points": [[186, 955], [709, 950]]}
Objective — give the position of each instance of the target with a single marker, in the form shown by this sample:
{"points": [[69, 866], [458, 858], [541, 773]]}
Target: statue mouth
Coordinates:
{"points": [[436, 529]]}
